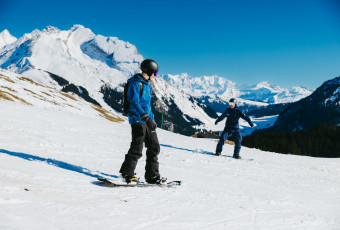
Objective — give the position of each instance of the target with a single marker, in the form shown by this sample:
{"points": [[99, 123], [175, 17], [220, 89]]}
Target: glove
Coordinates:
{"points": [[216, 122], [149, 122], [252, 125]]}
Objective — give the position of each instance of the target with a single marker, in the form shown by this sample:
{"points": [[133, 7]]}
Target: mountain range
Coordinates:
{"points": [[322, 106], [96, 67], [225, 89]]}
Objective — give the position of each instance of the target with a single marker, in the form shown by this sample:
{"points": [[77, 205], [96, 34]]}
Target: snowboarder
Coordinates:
{"points": [[233, 114], [143, 126]]}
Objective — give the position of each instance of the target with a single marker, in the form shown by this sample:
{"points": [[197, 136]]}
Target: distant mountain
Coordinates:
{"points": [[216, 91], [202, 86], [269, 110], [220, 105], [6, 38], [269, 93], [322, 106], [95, 68]]}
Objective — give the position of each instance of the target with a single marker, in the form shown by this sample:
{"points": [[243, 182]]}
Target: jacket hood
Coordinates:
{"points": [[138, 77]]}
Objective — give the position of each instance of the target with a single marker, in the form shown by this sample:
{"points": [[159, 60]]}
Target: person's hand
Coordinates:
{"points": [[252, 125], [149, 122], [216, 122]]}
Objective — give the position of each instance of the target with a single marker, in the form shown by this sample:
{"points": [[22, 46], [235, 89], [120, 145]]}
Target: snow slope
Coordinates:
{"points": [[14, 87], [50, 158]]}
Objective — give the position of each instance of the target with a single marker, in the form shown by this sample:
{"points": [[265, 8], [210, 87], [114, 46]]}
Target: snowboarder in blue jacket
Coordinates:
{"points": [[143, 126], [233, 114]]}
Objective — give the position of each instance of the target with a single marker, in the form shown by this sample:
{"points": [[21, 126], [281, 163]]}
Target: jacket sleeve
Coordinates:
{"points": [[246, 118], [133, 97], [220, 118], [152, 116]]}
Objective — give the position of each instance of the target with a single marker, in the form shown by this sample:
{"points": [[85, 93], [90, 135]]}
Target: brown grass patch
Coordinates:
{"points": [[41, 97], [228, 142], [4, 96], [69, 96], [32, 92], [12, 90], [6, 78], [47, 94], [72, 106], [106, 114], [53, 102], [49, 101], [62, 98], [18, 98], [31, 81]]}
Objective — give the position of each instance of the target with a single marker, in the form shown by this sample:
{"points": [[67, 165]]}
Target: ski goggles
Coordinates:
{"points": [[156, 73], [232, 103]]}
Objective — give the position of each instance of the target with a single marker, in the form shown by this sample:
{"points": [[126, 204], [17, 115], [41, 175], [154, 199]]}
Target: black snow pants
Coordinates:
{"points": [[224, 136], [141, 134]]}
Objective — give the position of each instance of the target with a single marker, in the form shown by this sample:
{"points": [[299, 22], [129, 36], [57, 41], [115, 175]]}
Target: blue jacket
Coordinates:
{"points": [[139, 105], [233, 115]]}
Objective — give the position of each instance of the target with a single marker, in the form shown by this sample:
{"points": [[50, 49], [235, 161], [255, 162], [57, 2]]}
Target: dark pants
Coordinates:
{"points": [[224, 136], [141, 133]]}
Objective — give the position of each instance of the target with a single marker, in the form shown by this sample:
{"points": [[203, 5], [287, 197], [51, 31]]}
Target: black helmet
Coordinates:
{"points": [[233, 100], [149, 67]]}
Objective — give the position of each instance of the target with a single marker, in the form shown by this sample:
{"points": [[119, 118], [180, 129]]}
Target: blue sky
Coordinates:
{"points": [[289, 43]]}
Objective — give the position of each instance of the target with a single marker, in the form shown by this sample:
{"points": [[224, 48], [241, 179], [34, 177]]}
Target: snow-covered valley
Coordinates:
{"points": [[50, 159]]}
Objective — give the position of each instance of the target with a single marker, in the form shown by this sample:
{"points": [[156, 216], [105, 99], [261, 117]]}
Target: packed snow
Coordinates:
{"points": [[50, 159]]}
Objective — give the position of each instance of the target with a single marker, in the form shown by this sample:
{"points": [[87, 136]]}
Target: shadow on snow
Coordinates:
{"points": [[56, 163], [200, 151]]}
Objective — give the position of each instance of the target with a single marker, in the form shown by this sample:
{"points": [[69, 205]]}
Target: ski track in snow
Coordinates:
{"points": [[49, 161]]}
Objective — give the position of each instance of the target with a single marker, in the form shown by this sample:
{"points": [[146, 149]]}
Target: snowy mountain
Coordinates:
{"points": [[323, 105], [19, 89], [216, 91], [51, 155], [220, 105], [6, 38], [269, 93], [197, 87], [94, 67]]}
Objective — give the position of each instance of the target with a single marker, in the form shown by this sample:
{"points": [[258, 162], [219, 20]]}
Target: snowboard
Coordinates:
{"points": [[110, 183], [241, 159]]}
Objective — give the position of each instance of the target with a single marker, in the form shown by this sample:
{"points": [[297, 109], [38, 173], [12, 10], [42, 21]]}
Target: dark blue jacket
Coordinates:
{"points": [[139, 105], [233, 115]]}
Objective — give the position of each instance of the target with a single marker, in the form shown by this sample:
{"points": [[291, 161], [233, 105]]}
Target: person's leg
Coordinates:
{"points": [[223, 137], [153, 149], [238, 138], [135, 151]]}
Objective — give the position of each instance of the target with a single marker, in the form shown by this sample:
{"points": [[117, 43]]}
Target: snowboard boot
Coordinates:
{"points": [[156, 180], [130, 179], [236, 156], [218, 154]]}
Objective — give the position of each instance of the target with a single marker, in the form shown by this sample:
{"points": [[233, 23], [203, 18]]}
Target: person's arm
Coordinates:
{"points": [[151, 113], [220, 118], [246, 118], [133, 97]]}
